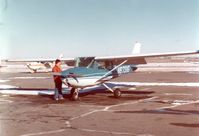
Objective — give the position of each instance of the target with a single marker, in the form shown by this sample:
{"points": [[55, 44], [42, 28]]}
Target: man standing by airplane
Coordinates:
{"points": [[58, 82]]}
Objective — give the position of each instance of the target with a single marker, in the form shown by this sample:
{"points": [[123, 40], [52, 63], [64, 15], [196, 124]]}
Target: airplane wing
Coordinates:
{"points": [[69, 61], [140, 58], [115, 60]]}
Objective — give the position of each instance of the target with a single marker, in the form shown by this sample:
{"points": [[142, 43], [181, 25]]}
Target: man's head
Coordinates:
{"points": [[58, 62]]}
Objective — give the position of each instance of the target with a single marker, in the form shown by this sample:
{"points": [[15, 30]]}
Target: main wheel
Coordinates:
{"points": [[117, 93], [33, 71], [74, 94]]}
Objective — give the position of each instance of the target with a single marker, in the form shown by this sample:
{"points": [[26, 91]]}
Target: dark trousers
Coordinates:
{"points": [[58, 86]]}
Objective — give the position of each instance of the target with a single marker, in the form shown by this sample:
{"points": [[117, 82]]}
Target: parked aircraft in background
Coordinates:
{"points": [[34, 65], [1, 65]]}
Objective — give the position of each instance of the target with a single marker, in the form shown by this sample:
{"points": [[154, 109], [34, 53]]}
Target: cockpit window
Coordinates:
{"points": [[90, 62], [83, 61], [108, 65], [101, 65]]}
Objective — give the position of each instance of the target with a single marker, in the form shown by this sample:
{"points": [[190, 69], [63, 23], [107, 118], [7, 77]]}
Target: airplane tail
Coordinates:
{"points": [[61, 56], [136, 48]]}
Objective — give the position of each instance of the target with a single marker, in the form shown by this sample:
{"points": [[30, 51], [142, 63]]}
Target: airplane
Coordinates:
{"points": [[92, 71], [1, 65]]}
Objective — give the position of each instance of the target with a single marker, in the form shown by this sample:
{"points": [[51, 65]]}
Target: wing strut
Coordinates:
{"points": [[110, 89]]}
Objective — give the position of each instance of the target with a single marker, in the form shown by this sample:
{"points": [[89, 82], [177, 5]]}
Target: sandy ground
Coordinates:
{"points": [[145, 110]]}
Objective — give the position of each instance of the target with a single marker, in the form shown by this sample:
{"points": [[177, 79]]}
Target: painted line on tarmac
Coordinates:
{"points": [[113, 133], [178, 103], [86, 130], [183, 94], [47, 132], [104, 109], [108, 132]]}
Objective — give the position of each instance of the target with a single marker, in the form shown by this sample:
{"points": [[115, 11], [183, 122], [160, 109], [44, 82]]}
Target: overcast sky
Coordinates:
{"points": [[46, 28]]}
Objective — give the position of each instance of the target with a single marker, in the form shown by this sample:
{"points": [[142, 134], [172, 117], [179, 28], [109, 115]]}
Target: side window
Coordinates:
{"points": [[101, 65], [109, 65]]}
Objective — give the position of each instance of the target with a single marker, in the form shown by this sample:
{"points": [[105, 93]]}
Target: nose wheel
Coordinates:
{"points": [[117, 93], [74, 96]]}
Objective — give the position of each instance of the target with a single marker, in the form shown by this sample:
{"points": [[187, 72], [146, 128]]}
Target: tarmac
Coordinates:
{"points": [[154, 103]]}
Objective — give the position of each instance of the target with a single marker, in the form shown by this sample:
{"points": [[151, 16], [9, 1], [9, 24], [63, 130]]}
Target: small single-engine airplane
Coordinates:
{"points": [[92, 71], [1, 65]]}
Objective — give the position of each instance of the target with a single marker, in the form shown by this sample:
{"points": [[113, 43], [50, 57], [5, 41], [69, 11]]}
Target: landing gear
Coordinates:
{"points": [[74, 95], [117, 93], [33, 71]]}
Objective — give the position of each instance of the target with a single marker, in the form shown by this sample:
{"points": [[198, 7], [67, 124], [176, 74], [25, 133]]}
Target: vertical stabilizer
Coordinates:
{"points": [[61, 56], [136, 48]]}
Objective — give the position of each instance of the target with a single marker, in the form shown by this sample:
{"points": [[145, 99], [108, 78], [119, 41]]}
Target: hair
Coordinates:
{"points": [[57, 61]]}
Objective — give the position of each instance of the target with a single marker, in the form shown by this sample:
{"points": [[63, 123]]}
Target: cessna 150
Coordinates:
{"points": [[91, 71]]}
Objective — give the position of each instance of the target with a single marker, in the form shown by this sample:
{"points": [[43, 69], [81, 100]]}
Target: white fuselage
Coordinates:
{"points": [[34, 66]]}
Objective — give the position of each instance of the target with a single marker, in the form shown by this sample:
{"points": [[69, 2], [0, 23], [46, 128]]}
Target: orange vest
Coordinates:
{"points": [[57, 79]]}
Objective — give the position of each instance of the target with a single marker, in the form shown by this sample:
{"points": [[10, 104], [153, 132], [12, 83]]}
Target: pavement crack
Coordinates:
{"points": [[104, 109]]}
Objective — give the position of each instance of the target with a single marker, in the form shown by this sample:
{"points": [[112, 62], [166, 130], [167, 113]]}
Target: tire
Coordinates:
{"points": [[74, 94], [117, 93], [33, 71]]}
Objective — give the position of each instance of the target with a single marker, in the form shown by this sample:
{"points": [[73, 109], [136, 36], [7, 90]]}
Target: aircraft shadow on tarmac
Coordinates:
{"points": [[163, 111], [97, 96], [185, 125]]}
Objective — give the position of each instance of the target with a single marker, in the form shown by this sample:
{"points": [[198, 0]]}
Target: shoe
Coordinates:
{"points": [[56, 98], [61, 97], [56, 95]]}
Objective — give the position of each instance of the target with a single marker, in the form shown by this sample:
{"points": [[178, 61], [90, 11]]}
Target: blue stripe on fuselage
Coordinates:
{"points": [[83, 71]]}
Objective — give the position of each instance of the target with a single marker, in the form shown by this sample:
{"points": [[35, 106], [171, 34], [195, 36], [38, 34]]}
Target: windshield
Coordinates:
{"points": [[83, 61]]}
